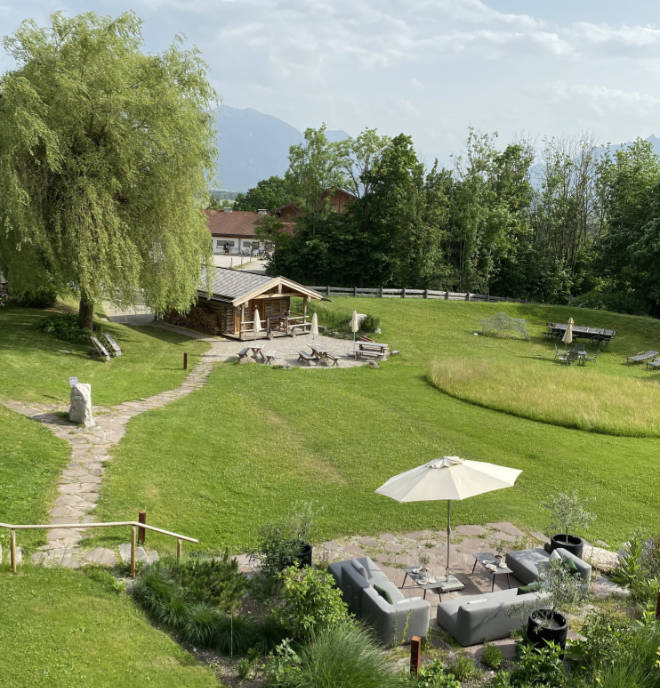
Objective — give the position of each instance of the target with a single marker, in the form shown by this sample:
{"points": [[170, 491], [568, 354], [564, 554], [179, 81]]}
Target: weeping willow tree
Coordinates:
{"points": [[105, 154]]}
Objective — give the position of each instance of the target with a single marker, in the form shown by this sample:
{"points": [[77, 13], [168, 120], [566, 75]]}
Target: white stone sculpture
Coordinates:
{"points": [[81, 405]]}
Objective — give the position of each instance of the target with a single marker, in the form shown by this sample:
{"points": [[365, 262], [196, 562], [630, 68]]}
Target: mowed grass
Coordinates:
{"points": [[588, 399], [63, 630], [36, 366], [31, 459], [240, 452]]}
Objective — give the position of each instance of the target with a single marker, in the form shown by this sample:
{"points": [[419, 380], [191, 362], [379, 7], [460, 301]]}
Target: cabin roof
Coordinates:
{"points": [[239, 286]]}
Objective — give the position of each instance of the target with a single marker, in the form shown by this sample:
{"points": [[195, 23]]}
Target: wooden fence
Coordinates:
{"points": [[83, 526], [405, 293]]}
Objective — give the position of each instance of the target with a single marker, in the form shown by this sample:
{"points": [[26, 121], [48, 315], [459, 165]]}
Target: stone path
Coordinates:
{"points": [[79, 484]]}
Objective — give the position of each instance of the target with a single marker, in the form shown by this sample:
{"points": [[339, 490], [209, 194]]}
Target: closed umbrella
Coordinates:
{"points": [[257, 320], [449, 477], [355, 326], [568, 335], [314, 330]]}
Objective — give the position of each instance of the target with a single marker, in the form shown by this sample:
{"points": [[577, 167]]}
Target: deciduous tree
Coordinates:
{"points": [[104, 154]]}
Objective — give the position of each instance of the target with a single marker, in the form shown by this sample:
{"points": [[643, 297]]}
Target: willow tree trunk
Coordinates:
{"points": [[85, 312]]}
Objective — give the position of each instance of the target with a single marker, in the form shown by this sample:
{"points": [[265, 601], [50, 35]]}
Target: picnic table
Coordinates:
{"points": [[323, 355], [257, 351], [595, 334]]}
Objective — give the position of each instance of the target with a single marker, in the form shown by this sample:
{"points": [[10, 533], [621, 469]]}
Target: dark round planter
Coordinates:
{"points": [[547, 625], [305, 556], [571, 543]]}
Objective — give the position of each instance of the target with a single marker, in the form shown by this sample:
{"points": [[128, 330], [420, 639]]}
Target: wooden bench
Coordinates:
{"points": [[368, 353], [331, 359], [270, 356], [243, 353], [114, 348], [98, 349], [306, 358]]}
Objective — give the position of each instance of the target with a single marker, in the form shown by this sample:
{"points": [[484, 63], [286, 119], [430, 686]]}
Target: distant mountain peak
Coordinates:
{"points": [[254, 146]]}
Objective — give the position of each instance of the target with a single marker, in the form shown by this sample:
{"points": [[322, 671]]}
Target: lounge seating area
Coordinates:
{"points": [[472, 616]]}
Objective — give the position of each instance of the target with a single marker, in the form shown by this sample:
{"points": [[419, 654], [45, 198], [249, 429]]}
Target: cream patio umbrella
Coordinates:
{"points": [[568, 335], [449, 477], [314, 329], [257, 320]]}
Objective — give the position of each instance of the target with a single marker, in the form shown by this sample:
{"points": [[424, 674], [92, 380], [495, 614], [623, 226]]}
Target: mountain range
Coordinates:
{"points": [[254, 146]]}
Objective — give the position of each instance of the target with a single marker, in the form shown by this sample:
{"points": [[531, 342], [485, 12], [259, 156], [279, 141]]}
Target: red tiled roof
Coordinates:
{"points": [[237, 223]]}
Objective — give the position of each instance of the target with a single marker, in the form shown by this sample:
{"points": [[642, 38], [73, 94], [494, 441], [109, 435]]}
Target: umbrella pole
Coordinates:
{"points": [[448, 534]]}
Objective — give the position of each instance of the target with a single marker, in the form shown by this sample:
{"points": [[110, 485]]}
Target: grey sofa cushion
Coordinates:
{"points": [[475, 619], [529, 565]]}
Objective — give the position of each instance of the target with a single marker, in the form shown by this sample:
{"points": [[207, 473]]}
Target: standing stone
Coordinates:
{"points": [[81, 405]]}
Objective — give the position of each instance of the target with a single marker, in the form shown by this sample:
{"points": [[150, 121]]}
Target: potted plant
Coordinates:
{"points": [[565, 586], [568, 514], [285, 543]]}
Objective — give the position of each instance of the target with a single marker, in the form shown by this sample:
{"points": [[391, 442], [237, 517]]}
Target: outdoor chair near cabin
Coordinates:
{"points": [[641, 356], [270, 356], [654, 364], [561, 356], [331, 359], [98, 349]]}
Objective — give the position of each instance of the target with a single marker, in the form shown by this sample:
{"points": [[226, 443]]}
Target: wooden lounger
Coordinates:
{"points": [[98, 349], [115, 349], [641, 356], [655, 363]]}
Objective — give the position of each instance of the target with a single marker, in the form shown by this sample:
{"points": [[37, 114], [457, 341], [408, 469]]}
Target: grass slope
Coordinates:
{"points": [[31, 458], [36, 366], [255, 440], [61, 629]]}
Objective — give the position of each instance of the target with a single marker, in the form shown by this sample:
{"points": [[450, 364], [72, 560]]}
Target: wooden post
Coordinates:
{"points": [[657, 607], [446, 296], [142, 532], [403, 293], [133, 548], [185, 360], [426, 293], [178, 550], [354, 291], [467, 296], [381, 293], [415, 654], [327, 291], [12, 549]]}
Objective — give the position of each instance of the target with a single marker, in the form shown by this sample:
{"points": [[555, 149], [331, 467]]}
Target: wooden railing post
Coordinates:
{"points": [[657, 607], [133, 548], [403, 293], [426, 293], [446, 296], [354, 291], [185, 360], [178, 550], [12, 549], [415, 654], [142, 532]]}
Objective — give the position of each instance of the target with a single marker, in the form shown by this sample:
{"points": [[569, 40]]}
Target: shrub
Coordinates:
{"points": [[43, 297], [310, 601], [502, 679], [433, 675], [343, 656], [65, 326], [340, 321], [492, 656], [463, 667], [538, 666]]}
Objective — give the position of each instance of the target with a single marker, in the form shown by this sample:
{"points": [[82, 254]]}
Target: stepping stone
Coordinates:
{"points": [[101, 556], [125, 553]]}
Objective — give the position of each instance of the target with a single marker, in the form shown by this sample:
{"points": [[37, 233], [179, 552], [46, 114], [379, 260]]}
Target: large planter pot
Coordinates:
{"points": [[571, 543], [547, 625], [305, 556]]}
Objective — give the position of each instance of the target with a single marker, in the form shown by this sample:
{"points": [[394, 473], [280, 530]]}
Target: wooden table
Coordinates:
{"points": [[493, 566], [438, 584], [257, 351], [595, 334]]}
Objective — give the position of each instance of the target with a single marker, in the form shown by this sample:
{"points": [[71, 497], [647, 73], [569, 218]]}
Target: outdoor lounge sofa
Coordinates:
{"points": [[473, 619], [394, 622], [528, 565]]}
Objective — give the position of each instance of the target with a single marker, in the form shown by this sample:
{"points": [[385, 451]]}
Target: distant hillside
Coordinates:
{"points": [[254, 146]]}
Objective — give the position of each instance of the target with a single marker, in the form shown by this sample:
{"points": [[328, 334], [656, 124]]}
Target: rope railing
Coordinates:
{"points": [[12, 527]]}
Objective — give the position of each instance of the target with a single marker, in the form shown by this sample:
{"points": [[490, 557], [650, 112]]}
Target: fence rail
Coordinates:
{"points": [[405, 293], [83, 526]]}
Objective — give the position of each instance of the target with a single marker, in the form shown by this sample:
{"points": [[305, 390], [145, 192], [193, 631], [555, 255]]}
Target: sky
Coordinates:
{"points": [[428, 68]]}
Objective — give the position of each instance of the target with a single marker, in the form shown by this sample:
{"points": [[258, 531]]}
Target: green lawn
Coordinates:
{"points": [[256, 440], [36, 366], [31, 459], [61, 629]]}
